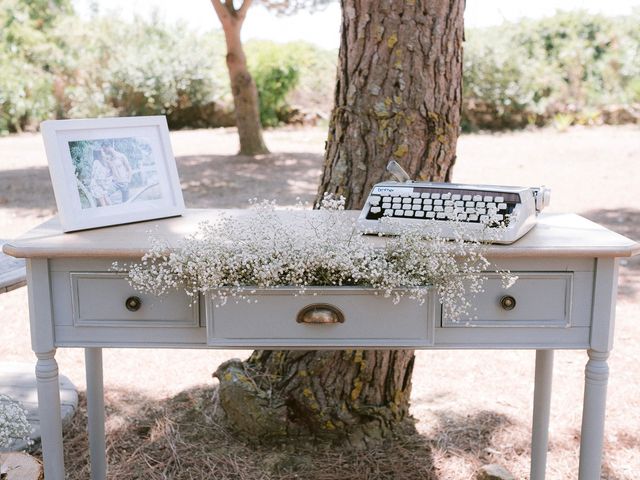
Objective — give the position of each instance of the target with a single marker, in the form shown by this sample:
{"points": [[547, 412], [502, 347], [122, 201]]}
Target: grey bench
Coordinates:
{"points": [[13, 273]]}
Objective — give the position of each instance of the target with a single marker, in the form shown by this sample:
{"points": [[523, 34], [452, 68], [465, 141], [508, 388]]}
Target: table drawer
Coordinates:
{"points": [[104, 299], [273, 317], [536, 299]]}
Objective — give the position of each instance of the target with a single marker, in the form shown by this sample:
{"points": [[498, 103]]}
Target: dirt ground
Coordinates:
{"points": [[459, 398]]}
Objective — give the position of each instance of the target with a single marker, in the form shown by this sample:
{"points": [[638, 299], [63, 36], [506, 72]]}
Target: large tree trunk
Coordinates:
{"points": [[397, 96], [352, 395], [243, 88]]}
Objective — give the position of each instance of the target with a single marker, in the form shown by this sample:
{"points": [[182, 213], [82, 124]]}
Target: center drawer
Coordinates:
{"points": [[320, 317]]}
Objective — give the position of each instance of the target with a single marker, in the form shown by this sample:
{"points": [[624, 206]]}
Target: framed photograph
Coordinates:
{"points": [[110, 171]]}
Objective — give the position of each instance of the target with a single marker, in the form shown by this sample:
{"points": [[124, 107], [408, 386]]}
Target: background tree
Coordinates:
{"points": [[398, 95], [243, 87]]}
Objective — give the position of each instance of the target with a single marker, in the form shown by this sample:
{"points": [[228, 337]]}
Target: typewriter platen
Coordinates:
{"points": [[497, 214]]}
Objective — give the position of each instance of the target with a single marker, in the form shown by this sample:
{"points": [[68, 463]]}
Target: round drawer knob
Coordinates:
{"points": [[133, 304], [508, 302]]}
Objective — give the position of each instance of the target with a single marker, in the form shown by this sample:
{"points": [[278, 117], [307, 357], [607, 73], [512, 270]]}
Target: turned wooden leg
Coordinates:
{"points": [[95, 412], [593, 411], [49, 413], [541, 412]]}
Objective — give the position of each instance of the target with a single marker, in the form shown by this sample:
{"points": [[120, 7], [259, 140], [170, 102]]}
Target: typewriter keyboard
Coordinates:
{"points": [[472, 206], [392, 206]]}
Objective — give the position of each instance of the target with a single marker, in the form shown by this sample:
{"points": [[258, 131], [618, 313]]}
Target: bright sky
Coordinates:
{"points": [[322, 28]]}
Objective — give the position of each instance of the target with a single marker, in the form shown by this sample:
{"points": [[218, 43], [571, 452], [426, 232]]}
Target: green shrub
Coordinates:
{"points": [[503, 87], [316, 85], [571, 68], [276, 73], [571, 64], [142, 68], [25, 95], [164, 69], [26, 55]]}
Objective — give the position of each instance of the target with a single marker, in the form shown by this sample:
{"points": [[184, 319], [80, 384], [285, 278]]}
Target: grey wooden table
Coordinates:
{"points": [[564, 299]]}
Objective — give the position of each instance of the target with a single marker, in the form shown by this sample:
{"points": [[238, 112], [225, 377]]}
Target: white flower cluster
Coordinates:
{"points": [[14, 425], [266, 247]]}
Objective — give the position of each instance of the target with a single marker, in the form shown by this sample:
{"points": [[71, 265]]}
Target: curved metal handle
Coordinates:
{"points": [[133, 303], [320, 313], [508, 302]]}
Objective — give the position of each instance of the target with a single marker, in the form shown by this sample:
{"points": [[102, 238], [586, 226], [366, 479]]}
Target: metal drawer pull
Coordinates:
{"points": [[320, 313], [133, 304], [508, 302]]}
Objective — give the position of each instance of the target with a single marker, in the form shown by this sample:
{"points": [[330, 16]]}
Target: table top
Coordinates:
{"points": [[555, 235]]}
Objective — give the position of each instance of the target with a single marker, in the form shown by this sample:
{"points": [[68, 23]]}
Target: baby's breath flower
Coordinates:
{"points": [[14, 425], [267, 248]]}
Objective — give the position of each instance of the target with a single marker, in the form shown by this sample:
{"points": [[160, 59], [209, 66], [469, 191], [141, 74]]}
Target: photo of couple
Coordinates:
{"points": [[114, 171]]}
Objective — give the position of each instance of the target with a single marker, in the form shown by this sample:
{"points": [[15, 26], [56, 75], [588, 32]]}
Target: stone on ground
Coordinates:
{"points": [[20, 466], [493, 472], [18, 381]]}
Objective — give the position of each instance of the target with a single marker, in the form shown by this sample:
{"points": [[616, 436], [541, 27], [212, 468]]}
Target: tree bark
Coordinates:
{"points": [[243, 87], [398, 96], [350, 396]]}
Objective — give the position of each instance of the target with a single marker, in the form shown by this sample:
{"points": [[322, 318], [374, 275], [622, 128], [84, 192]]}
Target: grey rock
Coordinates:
{"points": [[18, 381], [493, 472]]}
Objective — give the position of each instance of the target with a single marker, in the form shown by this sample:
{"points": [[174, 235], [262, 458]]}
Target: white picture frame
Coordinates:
{"points": [[111, 171]]}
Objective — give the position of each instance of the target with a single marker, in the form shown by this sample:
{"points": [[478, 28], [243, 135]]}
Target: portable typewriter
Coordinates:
{"points": [[497, 214]]}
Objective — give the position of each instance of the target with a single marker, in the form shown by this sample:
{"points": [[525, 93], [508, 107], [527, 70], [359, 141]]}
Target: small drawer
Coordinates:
{"points": [[321, 317], [536, 299], [104, 299]]}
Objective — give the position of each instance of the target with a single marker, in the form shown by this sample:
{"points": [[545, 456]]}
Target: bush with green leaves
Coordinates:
{"points": [[141, 68], [316, 85], [294, 73], [276, 73], [503, 87], [565, 69], [26, 95], [530, 72], [27, 57]]}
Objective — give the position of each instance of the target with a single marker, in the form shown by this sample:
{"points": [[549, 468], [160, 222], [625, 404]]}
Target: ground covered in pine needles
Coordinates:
{"points": [[185, 437]]}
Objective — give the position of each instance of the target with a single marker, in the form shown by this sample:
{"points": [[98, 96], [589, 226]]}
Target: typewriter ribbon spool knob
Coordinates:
{"points": [[508, 302], [133, 303]]}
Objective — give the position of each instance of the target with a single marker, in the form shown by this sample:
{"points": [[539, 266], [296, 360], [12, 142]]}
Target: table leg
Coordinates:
{"points": [[593, 411], [95, 412], [541, 411], [49, 412]]}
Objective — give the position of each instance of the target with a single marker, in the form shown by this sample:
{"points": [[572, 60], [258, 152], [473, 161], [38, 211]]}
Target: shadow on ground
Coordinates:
{"points": [[185, 437], [209, 182], [471, 435], [27, 188], [625, 221]]}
